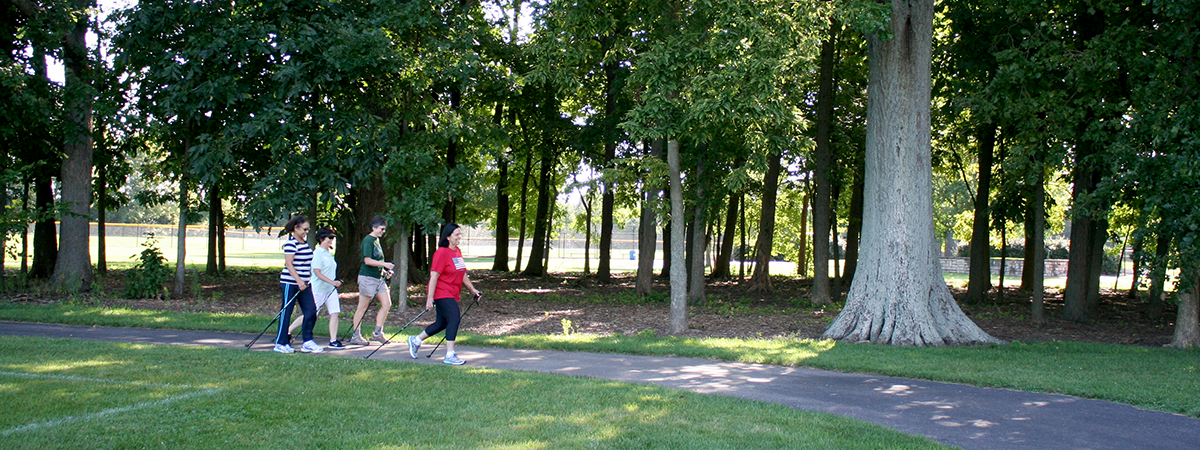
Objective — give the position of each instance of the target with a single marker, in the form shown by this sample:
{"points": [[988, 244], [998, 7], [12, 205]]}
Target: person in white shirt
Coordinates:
{"points": [[324, 284]]}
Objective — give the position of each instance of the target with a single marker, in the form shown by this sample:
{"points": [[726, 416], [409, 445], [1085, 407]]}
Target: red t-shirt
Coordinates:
{"points": [[451, 267]]}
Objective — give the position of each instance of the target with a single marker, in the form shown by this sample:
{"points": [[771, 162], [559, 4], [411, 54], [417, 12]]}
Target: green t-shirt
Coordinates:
{"points": [[371, 249]]}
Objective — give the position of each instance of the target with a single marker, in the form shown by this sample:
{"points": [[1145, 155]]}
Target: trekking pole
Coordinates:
{"points": [[464, 314], [414, 319], [277, 316]]}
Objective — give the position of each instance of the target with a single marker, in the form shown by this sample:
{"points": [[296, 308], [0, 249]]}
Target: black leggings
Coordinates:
{"points": [[447, 318]]}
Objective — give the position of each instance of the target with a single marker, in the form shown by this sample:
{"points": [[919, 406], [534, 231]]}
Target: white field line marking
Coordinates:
{"points": [[92, 380], [110, 411]]}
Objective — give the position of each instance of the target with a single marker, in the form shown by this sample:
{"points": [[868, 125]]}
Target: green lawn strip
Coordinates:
{"points": [[1152, 378], [60, 394]]}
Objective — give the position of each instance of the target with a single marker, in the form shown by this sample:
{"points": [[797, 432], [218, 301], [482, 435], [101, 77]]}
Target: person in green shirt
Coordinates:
{"points": [[372, 283]]}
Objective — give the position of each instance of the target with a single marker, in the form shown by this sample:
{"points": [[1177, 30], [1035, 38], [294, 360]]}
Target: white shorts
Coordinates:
{"points": [[330, 299]]}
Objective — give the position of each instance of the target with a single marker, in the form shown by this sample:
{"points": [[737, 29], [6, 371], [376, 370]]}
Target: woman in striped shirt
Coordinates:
{"points": [[293, 281]]}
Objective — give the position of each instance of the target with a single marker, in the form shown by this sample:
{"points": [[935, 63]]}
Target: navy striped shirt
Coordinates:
{"points": [[302, 256]]}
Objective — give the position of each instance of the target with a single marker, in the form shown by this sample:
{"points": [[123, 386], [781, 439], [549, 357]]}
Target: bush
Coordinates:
{"points": [[146, 279]]}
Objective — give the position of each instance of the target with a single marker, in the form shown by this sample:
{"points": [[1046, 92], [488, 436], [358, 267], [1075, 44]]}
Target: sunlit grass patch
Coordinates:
{"points": [[266, 400]]}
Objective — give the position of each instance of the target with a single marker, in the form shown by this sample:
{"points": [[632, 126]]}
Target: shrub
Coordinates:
{"points": [[146, 278]]}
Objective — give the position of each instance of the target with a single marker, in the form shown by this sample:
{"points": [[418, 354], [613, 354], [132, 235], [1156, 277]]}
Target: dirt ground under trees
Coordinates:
{"points": [[516, 305]]}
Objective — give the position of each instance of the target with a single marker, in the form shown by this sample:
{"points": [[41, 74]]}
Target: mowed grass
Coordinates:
{"points": [[1160, 379], [67, 394]]}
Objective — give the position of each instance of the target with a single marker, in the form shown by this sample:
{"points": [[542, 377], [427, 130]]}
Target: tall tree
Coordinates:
{"points": [[899, 296]]}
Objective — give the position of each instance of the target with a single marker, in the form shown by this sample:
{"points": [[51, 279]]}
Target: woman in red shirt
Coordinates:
{"points": [[447, 274]]}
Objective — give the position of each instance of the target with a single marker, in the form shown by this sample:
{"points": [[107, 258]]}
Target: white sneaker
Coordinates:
{"points": [[453, 359], [284, 348], [413, 346], [311, 347]]}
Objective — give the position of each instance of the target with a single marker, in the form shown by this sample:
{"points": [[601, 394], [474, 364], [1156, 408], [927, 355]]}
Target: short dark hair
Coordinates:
{"points": [[325, 233], [291, 224], [378, 221], [446, 232]]}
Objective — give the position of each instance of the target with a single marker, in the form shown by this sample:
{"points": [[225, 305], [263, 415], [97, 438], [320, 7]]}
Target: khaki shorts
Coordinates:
{"points": [[330, 299], [370, 286]]}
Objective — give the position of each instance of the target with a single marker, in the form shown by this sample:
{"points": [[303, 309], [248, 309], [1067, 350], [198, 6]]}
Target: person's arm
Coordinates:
{"points": [[433, 276], [376, 263], [322, 277], [287, 262], [467, 281]]}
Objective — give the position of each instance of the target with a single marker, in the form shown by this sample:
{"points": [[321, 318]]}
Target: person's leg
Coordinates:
{"points": [[286, 306], [385, 304], [295, 324], [308, 307], [453, 318], [333, 327]]}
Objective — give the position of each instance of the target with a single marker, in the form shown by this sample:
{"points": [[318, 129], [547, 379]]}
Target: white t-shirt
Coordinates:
{"points": [[323, 261]]}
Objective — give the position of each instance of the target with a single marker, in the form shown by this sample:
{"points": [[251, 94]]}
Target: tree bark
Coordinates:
{"points": [[214, 204], [761, 280], [823, 157], [45, 239], [648, 231], [1187, 321], [899, 296], [536, 265], [500, 263], [698, 242], [980, 272], [679, 314], [181, 230], [666, 268], [1038, 243], [1080, 270], [1158, 277], [725, 253], [101, 219], [524, 203], [399, 284], [73, 268], [603, 271], [854, 229]]}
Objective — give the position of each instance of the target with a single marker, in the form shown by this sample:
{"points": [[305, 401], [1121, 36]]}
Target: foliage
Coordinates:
{"points": [[146, 278]]}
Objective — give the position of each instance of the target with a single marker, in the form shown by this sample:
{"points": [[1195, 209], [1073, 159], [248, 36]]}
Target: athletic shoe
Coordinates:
{"points": [[310, 347], [336, 344], [453, 360], [413, 345], [284, 348], [377, 336], [357, 339]]}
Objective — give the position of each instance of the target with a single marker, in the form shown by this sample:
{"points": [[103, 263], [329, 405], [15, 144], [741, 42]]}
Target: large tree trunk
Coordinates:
{"points": [[761, 280], [524, 203], [822, 288], [1037, 242], [980, 272], [181, 230], [899, 296], [214, 205], [73, 269], [500, 263], [666, 267], [101, 220], [648, 231], [610, 154], [854, 229], [1187, 322], [536, 266], [1084, 227], [725, 253], [399, 284], [45, 234], [698, 243], [1158, 277], [679, 314], [367, 199]]}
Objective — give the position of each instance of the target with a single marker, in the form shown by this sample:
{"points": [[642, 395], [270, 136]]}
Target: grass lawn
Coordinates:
{"points": [[63, 394], [1153, 378]]}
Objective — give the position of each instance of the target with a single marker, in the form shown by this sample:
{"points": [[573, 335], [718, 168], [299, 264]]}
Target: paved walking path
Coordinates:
{"points": [[969, 417]]}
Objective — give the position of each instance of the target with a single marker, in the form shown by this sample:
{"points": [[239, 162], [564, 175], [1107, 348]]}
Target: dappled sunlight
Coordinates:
{"points": [[898, 390], [59, 367]]}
